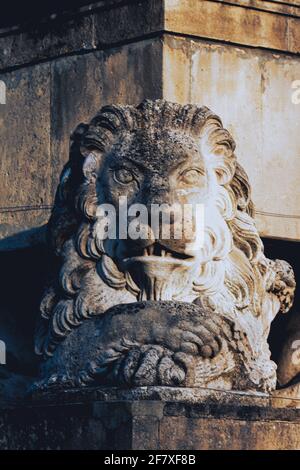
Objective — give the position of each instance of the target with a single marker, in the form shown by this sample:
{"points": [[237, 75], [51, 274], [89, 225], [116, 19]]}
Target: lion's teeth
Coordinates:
{"points": [[163, 252], [150, 250], [145, 253]]}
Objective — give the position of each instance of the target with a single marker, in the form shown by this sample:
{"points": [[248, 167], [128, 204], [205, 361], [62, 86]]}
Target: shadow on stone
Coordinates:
{"points": [[24, 274], [290, 251]]}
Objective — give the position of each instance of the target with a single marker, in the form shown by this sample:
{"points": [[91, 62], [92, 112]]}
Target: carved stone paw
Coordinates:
{"points": [[143, 365], [55, 381], [154, 343]]}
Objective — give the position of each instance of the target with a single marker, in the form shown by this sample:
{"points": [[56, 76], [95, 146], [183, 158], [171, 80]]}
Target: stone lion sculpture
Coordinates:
{"points": [[157, 310]]}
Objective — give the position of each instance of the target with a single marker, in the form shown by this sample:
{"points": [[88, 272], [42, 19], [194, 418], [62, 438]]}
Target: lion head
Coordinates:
{"points": [[157, 153]]}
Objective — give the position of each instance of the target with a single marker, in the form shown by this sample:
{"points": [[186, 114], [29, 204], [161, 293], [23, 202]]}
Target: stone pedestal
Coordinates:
{"points": [[152, 418]]}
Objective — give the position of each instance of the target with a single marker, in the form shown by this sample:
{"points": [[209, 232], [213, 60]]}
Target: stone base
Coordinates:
{"points": [[151, 418]]}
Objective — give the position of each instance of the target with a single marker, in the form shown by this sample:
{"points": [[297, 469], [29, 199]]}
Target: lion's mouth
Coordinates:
{"points": [[159, 254]]}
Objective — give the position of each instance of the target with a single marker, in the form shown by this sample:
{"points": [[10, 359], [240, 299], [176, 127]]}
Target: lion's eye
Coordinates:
{"points": [[192, 176], [123, 176]]}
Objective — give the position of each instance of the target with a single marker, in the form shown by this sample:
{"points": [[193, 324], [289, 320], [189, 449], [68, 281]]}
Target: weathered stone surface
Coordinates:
{"points": [[218, 434], [69, 90], [158, 309], [25, 162], [82, 84], [36, 143], [134, 20], [287, 397], [288, 7], [46, 40], [269, 25], [252, 91], [225, 22], [153, 396], [294, 35], [216, 421], [192, 71], [98, 28]]}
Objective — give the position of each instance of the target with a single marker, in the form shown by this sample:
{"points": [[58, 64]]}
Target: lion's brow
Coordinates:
{"points": [[140, 165], [149, 167]]}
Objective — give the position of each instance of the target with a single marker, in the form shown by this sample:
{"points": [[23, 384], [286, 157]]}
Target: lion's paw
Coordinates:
{"points": [[140, 366]]}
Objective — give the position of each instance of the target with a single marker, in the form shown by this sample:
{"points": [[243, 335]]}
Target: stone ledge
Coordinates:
{"points": [[291, 7], [153, 393], [275, 27], [175, 395], [91, 30], [230, 23], [149, 418]]}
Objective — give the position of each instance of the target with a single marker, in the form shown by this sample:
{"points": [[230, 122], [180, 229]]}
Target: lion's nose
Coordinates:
{"points": [[140, 234], [167, 213], [165, 201]]}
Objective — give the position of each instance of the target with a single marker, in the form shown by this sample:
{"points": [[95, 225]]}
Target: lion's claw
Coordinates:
{"points": [[159, 344]]}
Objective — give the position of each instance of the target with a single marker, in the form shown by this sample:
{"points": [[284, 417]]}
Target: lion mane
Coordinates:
{"points": [[238, 280]]}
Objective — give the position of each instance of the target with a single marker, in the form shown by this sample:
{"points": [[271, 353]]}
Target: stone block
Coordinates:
{"points": [[216, 420], [252, 91], [62, 94], [25, 166], [46, 40], [226, 22], [227, 434], [101, 27], [128, 21], [294, 35]]}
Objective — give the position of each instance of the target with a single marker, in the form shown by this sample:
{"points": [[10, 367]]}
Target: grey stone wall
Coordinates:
{"points": [[57, 76], [59, 71]]}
